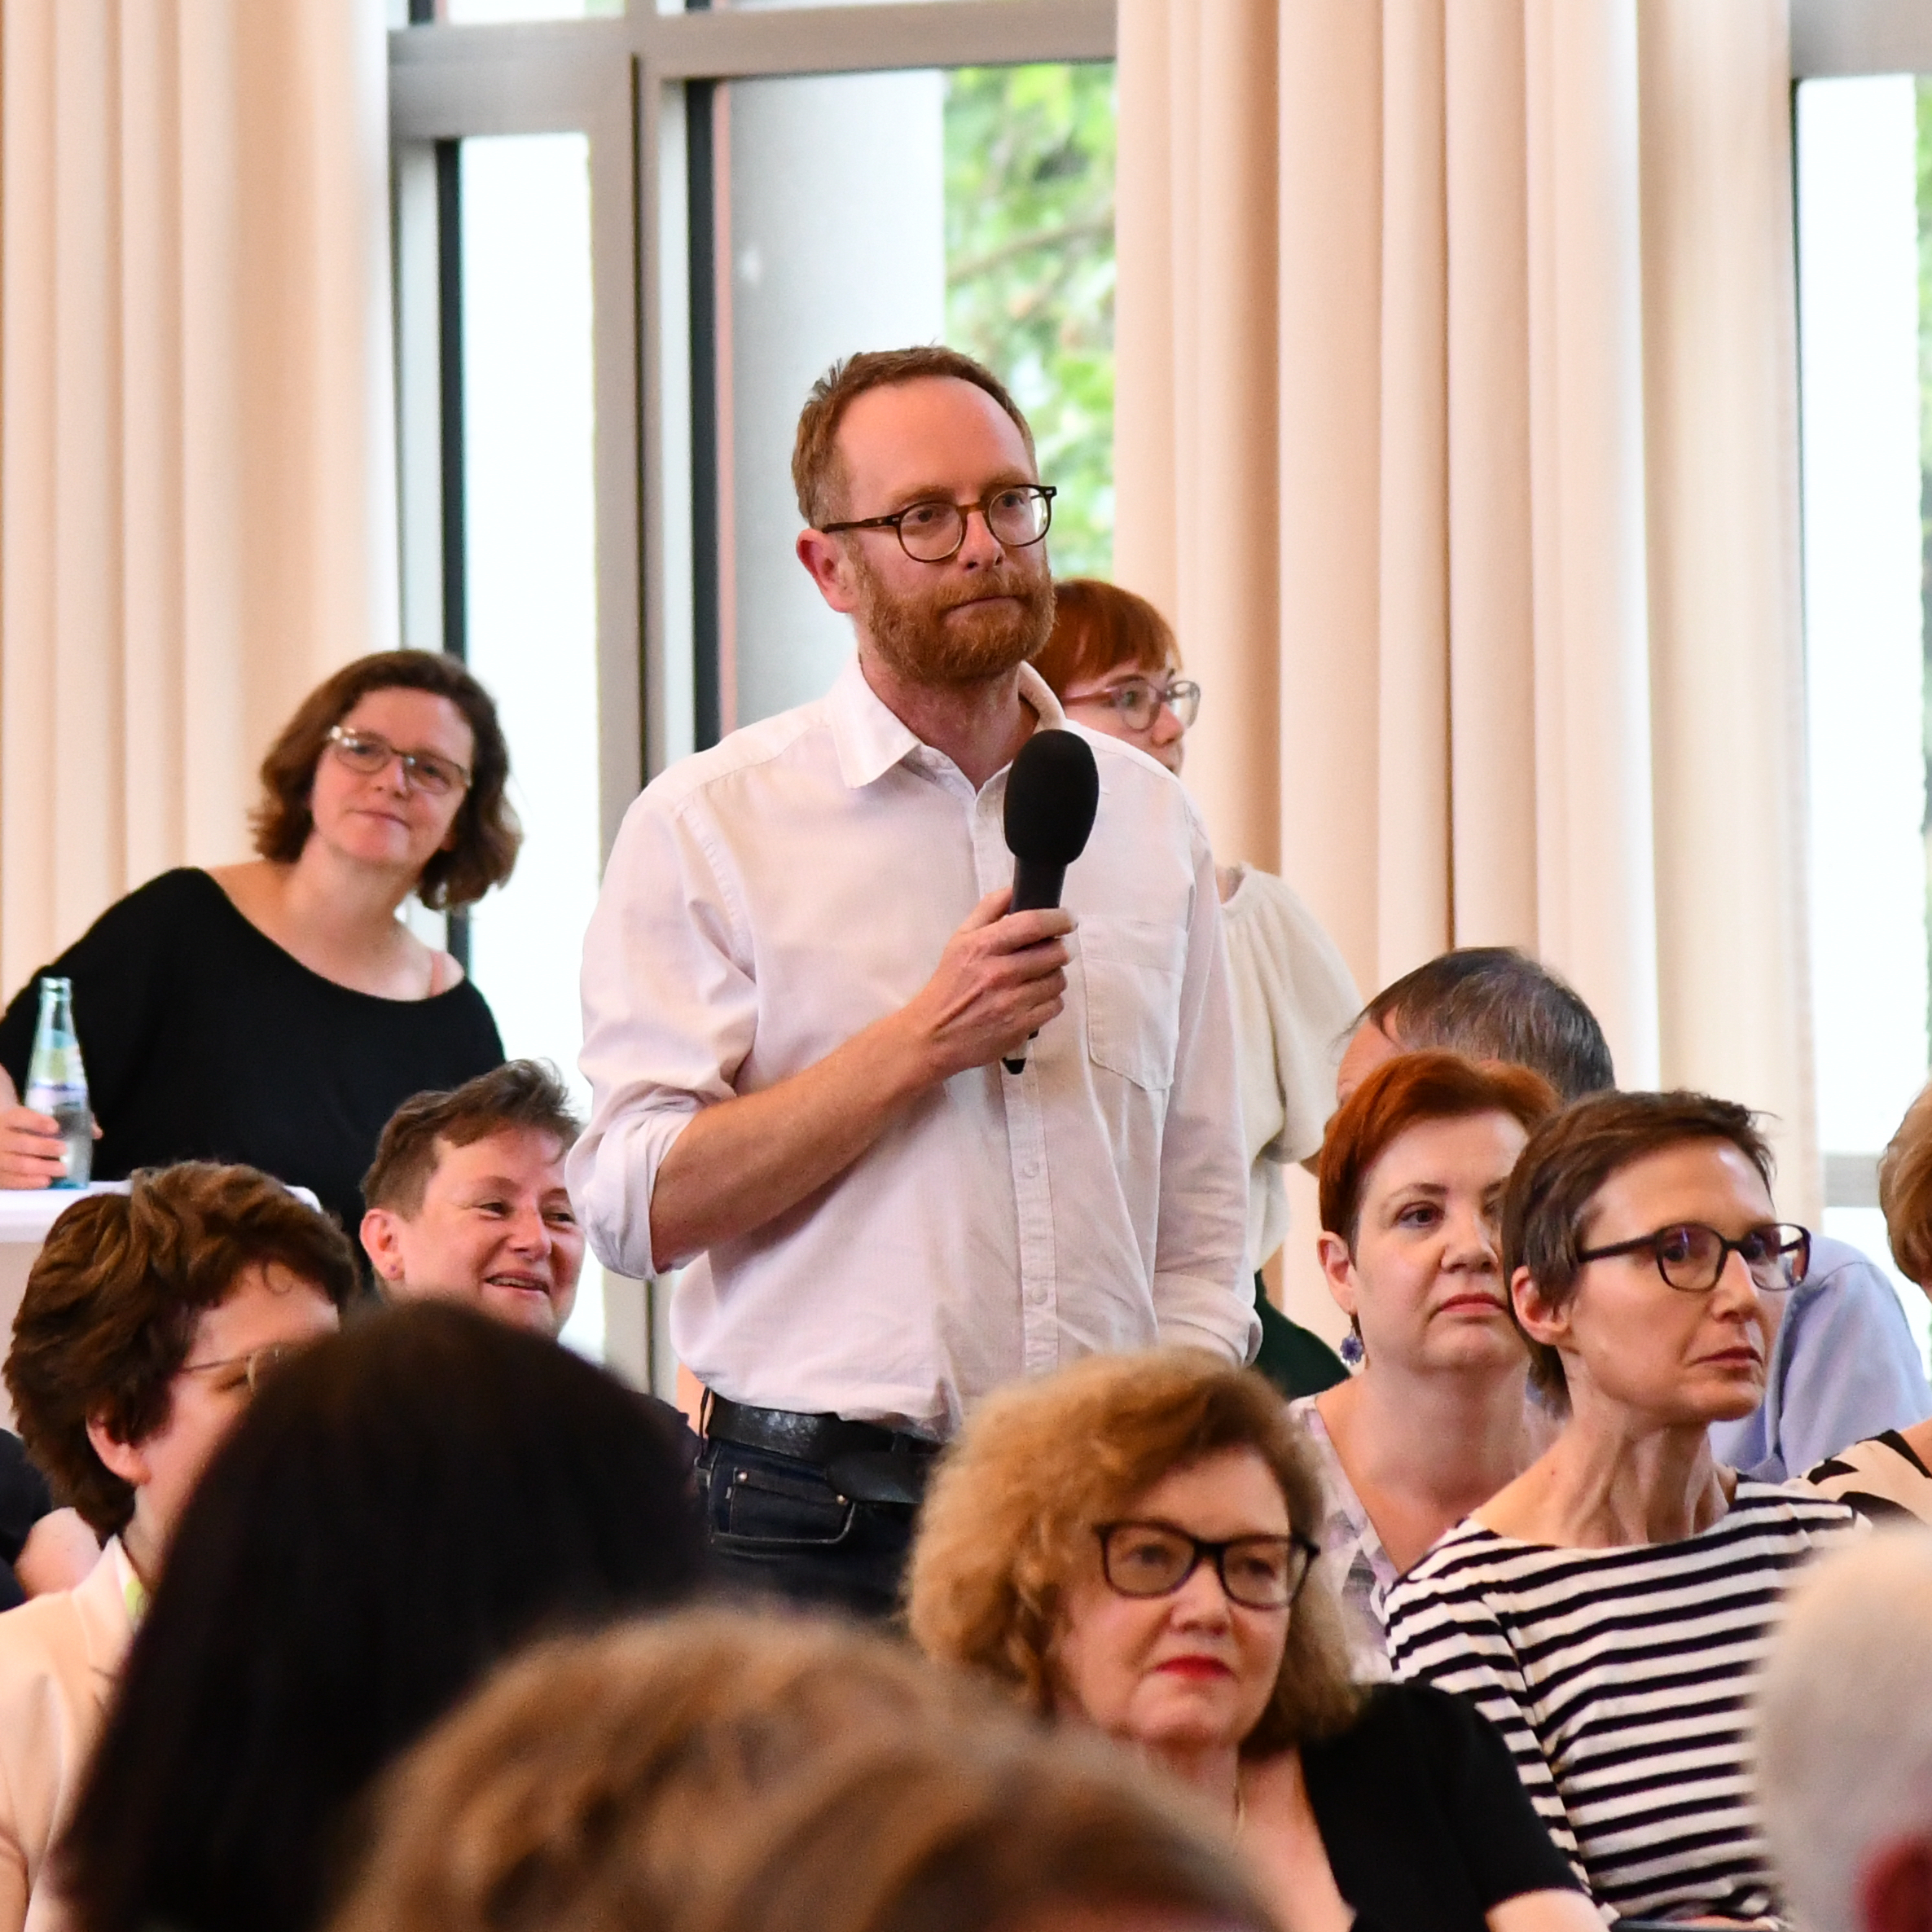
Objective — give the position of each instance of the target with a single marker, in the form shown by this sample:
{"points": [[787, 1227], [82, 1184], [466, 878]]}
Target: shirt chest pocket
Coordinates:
{"points": [[1133, 971]]}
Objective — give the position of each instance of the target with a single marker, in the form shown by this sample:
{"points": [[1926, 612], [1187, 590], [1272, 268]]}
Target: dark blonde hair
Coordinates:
{"points": [[916, 1836], [520, 1093], [1402, 1093], [645, 1744], [1008, 1527], [817, 472], [1557, 1176], [1097, 628], [487, 833], [113, 1299], [1905, 1191]]}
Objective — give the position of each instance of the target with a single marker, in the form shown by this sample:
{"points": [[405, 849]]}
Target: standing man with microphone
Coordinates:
{"points": [[802, 977]]}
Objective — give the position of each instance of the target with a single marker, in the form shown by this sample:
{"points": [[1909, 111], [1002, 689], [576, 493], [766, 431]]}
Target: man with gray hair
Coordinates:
{"points": [[1844, 1739]]}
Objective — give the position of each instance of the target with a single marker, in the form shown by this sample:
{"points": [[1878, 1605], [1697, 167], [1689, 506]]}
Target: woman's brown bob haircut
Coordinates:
{"points": [[1008, 1528], [1099, 628], [520, 1093], [113, 1298], [669, 1775], [487, 834], [818, 473], [1547, 1205], [1402, 1093], [1905, 1191]]}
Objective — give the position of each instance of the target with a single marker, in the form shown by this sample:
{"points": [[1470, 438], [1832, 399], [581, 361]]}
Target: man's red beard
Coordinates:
{"points": [[917, 638]]}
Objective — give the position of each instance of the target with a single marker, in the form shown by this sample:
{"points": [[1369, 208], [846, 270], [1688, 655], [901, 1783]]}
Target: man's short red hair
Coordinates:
{"points": [[1403, 1092]]}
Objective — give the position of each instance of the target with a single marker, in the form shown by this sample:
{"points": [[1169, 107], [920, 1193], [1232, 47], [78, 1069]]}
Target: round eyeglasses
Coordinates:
{"points": [[1138, 700], [1691, 1256], [930, 532], [1153, 1559], [368, 752]]}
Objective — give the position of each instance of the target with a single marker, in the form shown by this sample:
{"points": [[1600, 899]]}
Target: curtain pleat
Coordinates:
{"points": [[196, 462], [1530, 562]]}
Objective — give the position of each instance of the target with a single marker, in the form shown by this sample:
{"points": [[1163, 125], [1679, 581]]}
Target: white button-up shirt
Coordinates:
{"points": [[767, 899]]}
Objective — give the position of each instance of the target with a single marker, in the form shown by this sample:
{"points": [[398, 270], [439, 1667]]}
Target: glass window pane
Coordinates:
{"points": [[873, 211], [530, 523], [1860, 228]]}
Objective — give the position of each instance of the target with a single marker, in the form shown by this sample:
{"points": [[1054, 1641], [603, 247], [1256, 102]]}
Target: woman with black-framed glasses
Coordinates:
{"points": [[1609, 1610], [1128, 1545], [279, 1010]]}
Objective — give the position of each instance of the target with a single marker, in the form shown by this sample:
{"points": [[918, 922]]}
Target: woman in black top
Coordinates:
{"points": [[277, 1012], [1128, 1543]]}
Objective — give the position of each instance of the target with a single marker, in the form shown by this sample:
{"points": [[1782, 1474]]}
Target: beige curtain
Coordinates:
{"points": [[1457, 433], [196, 469]]}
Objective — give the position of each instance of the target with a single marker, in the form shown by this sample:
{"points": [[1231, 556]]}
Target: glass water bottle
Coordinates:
{"points": [[57, 1082]]}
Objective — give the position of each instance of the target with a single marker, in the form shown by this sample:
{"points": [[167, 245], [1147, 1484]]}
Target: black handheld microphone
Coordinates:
{"points": [[1052, 793]]}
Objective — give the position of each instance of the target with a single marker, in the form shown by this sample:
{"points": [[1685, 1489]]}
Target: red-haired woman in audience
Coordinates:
{"points": [[1609, 1610], [1891, 1475], [278, 1012], [1112, 662], [148, 1320], [1126, 1545], [1438, 1419]]}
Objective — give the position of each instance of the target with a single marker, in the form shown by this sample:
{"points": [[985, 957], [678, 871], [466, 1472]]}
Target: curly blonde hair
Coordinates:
{"points": [[1009, 1524]]}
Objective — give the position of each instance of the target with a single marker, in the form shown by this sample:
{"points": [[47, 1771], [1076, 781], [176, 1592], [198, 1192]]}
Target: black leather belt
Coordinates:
{"points": [[865, 1460]]}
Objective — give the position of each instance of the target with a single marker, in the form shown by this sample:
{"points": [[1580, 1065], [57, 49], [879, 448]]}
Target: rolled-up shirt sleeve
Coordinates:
{"points": [[1201, 1296], [670, 1009]]}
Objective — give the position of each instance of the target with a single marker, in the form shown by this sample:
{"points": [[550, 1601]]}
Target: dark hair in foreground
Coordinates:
{"points": [[1494, 1003], [115, 1295], [520, 1093], [1546, 1207], [401, 1506], [487, 832]]}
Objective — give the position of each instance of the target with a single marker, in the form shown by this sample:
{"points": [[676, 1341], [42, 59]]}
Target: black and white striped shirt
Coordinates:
{"points": [[1619, 1678]]}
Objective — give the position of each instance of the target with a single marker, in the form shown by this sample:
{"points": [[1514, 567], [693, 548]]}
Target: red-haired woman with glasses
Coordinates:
{"points": [[1609, 1610], [1127, 1545], [1111, 661], [277, 1012]]}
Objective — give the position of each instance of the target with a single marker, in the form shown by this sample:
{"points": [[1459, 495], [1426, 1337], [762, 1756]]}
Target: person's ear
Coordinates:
{"points": [[1338, 1271], [124, 1460], [382, 1242], [830, 567], [1895, 1888], [1539, 1320]]}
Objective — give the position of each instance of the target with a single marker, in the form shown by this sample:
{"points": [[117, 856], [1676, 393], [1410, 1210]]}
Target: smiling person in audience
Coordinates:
{"points": [[1844, 1363], [277, 1012], [1127, 1544], [1609, 1610], [149, 1319], [1412, 1174], [467, 1199]]}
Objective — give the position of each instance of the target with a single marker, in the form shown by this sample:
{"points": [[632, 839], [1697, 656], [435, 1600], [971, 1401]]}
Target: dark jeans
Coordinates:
{"points": [[778, 1527]]}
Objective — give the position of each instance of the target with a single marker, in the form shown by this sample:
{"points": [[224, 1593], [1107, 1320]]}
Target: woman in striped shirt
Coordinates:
{"points": [[1608, 1610]]}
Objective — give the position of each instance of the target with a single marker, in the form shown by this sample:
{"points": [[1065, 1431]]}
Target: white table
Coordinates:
{"points": [[25, 1217]]}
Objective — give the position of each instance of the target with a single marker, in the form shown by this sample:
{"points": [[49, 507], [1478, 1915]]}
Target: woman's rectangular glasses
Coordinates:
{"points": [[368, 752], [1691, 1256], [1153, 1559]]}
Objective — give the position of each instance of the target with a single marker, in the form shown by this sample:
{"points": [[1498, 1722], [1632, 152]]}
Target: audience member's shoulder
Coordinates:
{"points": [[1466, 1556], [184, 893], [1798, 1504], [1837, 1264], [744, 750], [41, 1635], [1881, 1478]]}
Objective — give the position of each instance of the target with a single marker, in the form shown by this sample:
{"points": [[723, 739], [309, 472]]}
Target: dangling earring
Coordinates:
{"points": [[1352, 1353]]}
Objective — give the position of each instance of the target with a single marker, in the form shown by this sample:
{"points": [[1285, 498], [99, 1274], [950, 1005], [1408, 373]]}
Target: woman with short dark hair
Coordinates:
{"points": [[399, 1510], [278, 1012], [1127, 1544], [149, 1319], [1608, 1610]]}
